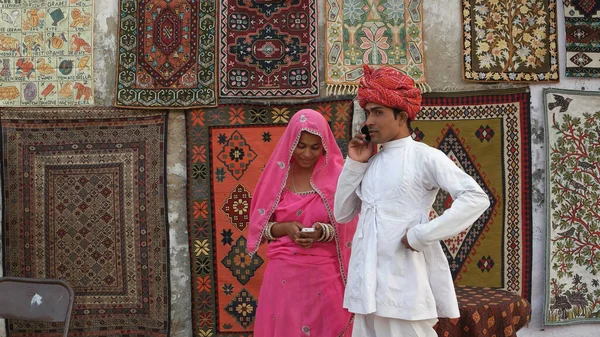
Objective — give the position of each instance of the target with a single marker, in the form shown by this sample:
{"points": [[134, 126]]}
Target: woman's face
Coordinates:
{"points": [[308, 150]]}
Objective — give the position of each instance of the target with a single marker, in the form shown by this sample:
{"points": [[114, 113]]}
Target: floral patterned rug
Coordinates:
{"points": [[372, 32], [572, 203], [512, 40]]}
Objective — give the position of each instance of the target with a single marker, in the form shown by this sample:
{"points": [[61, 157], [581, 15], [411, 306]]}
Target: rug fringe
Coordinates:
{"points": [[266, 102], [351, 89], [341, 89], [424, 87]]}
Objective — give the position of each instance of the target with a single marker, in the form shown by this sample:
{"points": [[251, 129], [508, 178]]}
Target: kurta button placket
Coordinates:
{"points": [[370, 250]]}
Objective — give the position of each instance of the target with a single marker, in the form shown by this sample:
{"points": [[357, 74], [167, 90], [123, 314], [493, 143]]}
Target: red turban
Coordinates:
{"points": [[389, 87]]}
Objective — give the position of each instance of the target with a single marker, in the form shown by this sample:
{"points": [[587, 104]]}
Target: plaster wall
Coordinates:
{"points": [[443, 35]]}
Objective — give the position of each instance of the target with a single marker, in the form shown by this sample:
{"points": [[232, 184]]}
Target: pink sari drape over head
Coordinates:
{"points": [[324, 179]]}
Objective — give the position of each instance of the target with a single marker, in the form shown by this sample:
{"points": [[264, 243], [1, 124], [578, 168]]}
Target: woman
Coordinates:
{"points": [[303, 286]]}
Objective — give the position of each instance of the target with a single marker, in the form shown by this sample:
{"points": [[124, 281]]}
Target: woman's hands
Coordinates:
{"points": [[294, 231]]}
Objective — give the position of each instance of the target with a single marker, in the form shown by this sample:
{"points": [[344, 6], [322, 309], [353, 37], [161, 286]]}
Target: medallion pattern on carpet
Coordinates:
{"points": [[166, 54], [84, 197], [458, 248], [269, 48]]}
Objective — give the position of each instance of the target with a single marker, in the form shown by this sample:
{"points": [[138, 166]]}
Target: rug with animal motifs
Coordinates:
{"points": [[46, 53], [228, 147], [572, 204], [166, 53], [487, 134], [84, 196]]}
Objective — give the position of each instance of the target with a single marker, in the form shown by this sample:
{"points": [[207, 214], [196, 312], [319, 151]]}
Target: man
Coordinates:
{"points": [[399, 281]]}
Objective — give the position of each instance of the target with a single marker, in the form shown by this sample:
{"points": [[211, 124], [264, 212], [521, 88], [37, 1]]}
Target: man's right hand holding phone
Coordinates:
{"points": [[360, 148]]}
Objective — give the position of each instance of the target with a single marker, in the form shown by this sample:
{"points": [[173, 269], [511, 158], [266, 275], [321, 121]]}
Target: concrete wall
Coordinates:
{"points": [[443, 35]]}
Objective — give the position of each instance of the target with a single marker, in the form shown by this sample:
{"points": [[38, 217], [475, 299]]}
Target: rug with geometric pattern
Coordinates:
{"points": [[582, 38], [84, 201], [487, 134], [268, 48], [228, 147], [166, 53]]}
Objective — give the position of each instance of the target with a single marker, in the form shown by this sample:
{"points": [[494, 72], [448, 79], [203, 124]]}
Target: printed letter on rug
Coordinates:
{"points": [[166, 54], [372, 32], [84, 201], [487, 135], [46, 53], [269, 48], [510, 40], [582, 38], [573, 201], [228, 147]]}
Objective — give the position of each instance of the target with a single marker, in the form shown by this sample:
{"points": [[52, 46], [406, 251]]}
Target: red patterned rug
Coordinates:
{"points": [[486, 134], [227, 149], [166, 54], [268, 48], [84, 201]]}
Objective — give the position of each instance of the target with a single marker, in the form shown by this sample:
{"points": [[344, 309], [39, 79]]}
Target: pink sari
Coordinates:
{"points": [[303, 288]]}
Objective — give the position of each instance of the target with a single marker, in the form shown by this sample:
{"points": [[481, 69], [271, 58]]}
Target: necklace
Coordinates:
{"points": [[293, 183]]}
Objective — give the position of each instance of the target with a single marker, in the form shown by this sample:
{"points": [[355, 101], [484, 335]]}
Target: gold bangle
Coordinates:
{"points": [[322, 237], [268, 235], [331, 232], [327, 233]]}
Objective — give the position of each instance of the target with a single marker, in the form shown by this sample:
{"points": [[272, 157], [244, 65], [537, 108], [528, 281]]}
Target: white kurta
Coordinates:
{"points": [[394, 193]]}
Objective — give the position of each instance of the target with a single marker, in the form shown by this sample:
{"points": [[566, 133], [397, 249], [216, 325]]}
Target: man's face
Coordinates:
{"points": [[383, 127]]}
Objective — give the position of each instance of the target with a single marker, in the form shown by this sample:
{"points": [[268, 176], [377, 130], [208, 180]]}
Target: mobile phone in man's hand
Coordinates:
{"points": [[365, 131]]}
